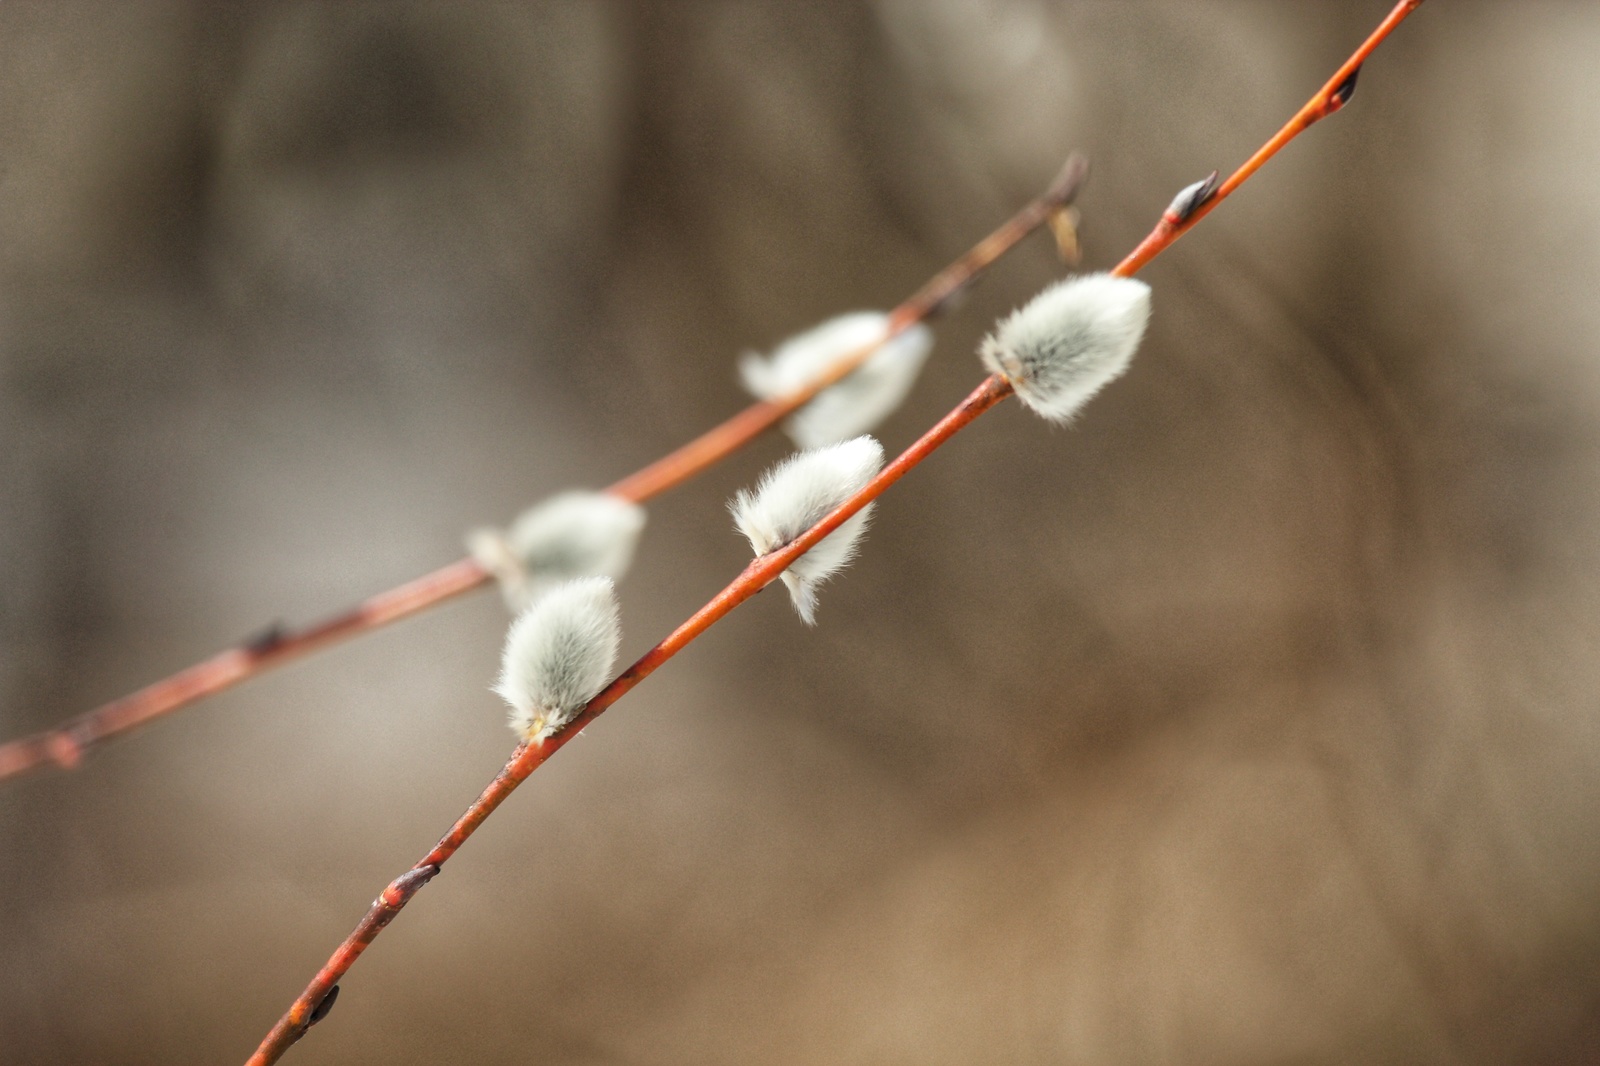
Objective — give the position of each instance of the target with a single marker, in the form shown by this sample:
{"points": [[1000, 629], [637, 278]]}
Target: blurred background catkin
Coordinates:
{"points": [[1252, 719]]}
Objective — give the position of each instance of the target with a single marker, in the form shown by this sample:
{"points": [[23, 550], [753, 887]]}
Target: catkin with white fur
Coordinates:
{"points": [[797, 494], [559, 654], [1069, 342], [570, 535], [855, 404]]}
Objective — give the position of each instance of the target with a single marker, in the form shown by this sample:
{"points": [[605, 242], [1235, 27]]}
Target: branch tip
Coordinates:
{"points": [[1064, 189]]}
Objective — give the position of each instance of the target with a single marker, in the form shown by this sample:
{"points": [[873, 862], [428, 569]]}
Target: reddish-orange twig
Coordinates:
{"points": [[312, 1003], [65, 744], [530, 756], [1181, 217], [718, 443]]}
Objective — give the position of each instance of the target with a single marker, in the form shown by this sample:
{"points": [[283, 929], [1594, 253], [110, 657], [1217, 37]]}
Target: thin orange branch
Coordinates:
{"points": [[65, 744], [312, 1004], [530, 756], [1180, 218], [721, 441]]}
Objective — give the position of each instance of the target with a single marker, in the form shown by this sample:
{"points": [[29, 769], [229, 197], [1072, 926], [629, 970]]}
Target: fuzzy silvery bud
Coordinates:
{"points": [[797, 494], [1069, 342], [570, 535], [858, 402], [559, 654]]}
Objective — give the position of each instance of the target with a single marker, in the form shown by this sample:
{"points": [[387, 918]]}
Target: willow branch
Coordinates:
{"points": [[529, 756], [310, 1006], [64, 745], [1203, 197]]}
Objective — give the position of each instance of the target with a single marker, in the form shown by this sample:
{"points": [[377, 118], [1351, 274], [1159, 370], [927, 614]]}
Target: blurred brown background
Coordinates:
{"points": [[1250, 720]]}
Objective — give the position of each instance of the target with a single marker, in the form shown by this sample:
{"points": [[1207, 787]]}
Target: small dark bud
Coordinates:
{"points": [[415, 878], [267, 639], [321, 1010], [1192, 197], [1346, 89]]}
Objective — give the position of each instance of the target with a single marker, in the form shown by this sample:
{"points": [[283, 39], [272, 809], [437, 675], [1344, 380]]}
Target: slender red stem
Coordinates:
{"points": [[1330, 98], [64, 745], [528, 757], [721, 441]]}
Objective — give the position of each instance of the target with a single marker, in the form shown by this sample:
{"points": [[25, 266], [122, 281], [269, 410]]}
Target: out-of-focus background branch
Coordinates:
{"points": [[1252, 719]]}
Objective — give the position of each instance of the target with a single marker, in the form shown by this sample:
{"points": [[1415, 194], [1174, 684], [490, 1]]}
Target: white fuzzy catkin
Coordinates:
{"points": [[1069, 342], [797, 494], [572, 534], [857, 403], [559, 654]]}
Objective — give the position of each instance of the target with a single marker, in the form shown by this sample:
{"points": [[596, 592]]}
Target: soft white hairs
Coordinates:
{"points": [[1069, 342], [559, 654], [571, 534], [798, 493], [860, 401]]}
